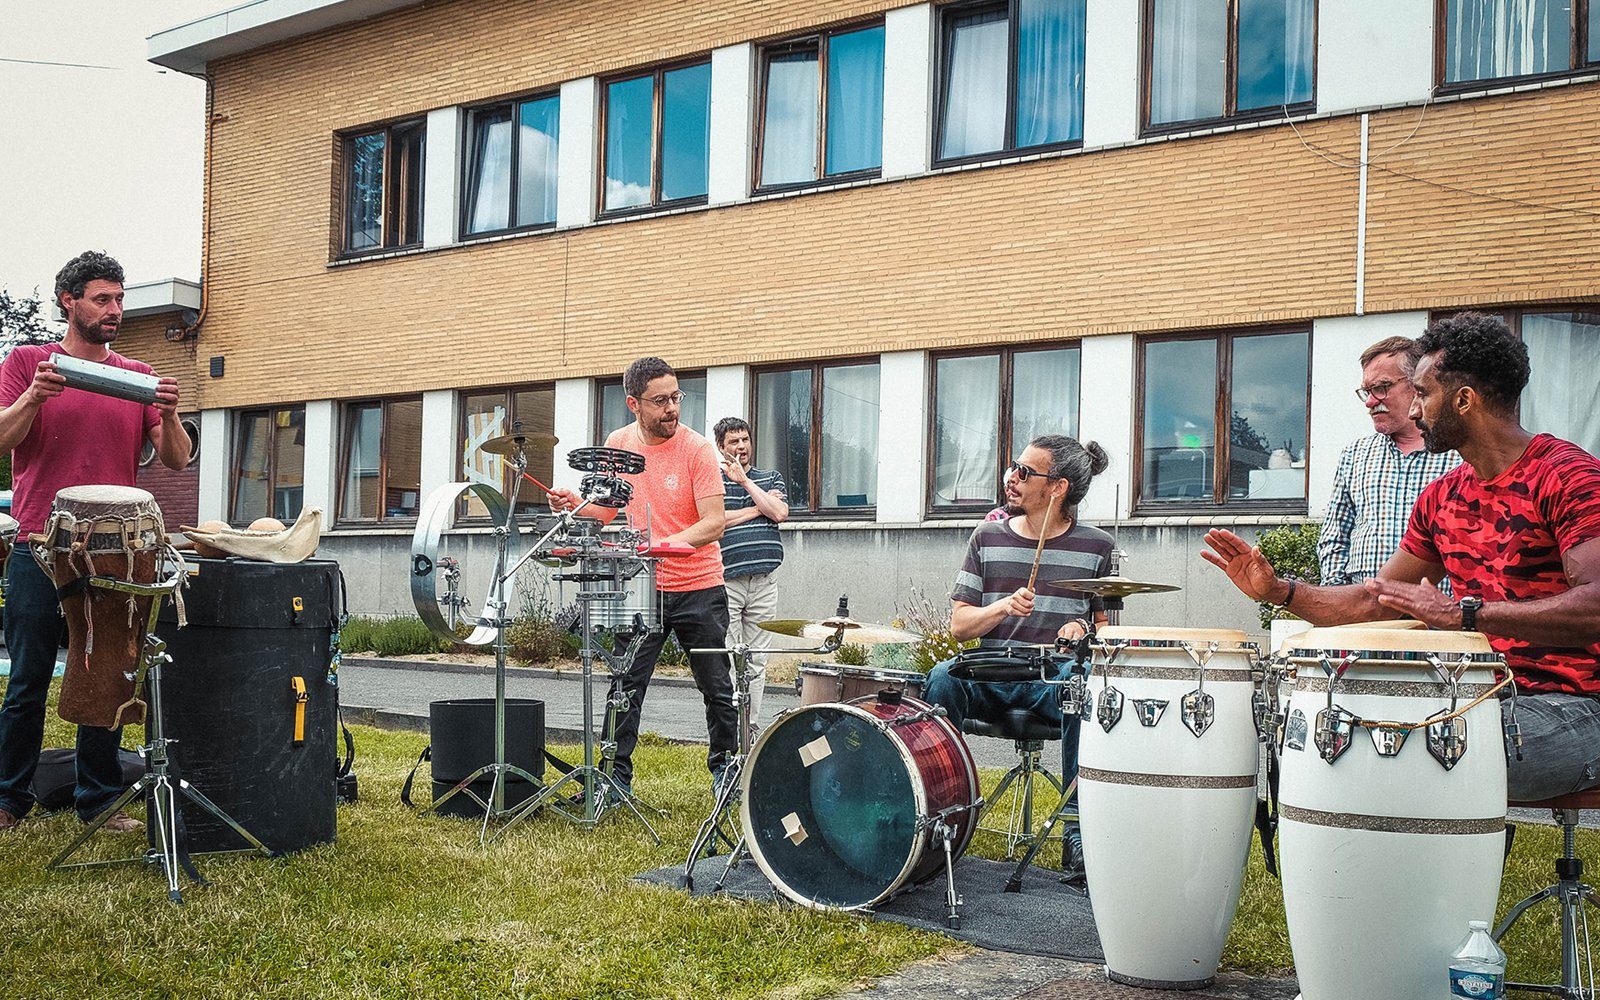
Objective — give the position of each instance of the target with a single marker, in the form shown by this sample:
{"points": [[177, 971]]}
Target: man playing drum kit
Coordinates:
{"points": [[1517, 531], [60, 438], [994, 602], [679, 495]]}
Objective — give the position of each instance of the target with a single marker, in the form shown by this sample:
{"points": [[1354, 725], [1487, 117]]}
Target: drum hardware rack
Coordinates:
{"points": [[942, 828], [172, 854]]}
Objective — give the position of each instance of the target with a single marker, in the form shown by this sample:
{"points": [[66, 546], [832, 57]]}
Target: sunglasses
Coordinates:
{"points": [[1024, 473]]}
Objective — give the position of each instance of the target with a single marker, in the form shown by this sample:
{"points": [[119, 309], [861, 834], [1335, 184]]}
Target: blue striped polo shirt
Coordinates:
{"points": [[752, 547]]}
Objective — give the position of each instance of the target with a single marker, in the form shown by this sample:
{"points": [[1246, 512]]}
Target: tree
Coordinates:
{"points": [[22, 322]]}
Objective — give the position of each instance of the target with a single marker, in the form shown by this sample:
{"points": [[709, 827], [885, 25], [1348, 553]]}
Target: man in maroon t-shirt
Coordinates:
{"points": [[60, 437], [1517, 531]]}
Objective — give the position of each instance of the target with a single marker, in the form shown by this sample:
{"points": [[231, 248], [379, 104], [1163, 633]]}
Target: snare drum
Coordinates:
{"points": [[830, 683], [1167, 767], [842, 804], [1391, 838], [624, 596]]}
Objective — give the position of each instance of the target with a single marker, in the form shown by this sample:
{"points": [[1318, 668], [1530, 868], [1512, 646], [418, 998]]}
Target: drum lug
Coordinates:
{"points": [[1388, 740], [1334, 729], [1294, 731], [1073, 695], [1199, 712], [1149, 710], [1110, 710], [1447, 740]]}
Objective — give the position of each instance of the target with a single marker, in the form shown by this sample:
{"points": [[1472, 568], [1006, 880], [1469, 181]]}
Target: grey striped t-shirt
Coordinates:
{"points": [[997, 565]]}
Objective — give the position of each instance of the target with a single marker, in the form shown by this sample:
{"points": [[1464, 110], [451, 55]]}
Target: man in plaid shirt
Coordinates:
{"points": [[1379, 476]]}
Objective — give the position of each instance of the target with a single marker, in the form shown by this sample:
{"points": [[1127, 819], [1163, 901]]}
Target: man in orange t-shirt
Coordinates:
{"points": [[679, 496]]}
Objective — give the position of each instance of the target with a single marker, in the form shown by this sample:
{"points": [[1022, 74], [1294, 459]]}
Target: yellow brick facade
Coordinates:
{"points": [[1232, 229]]}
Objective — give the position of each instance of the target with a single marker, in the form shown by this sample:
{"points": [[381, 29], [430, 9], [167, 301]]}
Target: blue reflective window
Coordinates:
{"points": [[804, 136], [855, 101], [630, 130], [512, 176], [383, 187], [538, 146], [1194, 48], [1493, 39], [364, 195], [685, 132], [1275, 53]]}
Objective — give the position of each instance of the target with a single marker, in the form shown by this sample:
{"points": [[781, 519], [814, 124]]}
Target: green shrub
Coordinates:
{"points": [[357, 635], [535, 640], [1292, 551], [851, 654], [406, 637]]}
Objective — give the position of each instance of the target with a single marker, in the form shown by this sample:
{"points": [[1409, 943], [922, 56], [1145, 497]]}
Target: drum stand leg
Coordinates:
{"points": [[1018, 831], [952, 899], [1570, 893], [1064, 811], [171, 853], [716, 826]]}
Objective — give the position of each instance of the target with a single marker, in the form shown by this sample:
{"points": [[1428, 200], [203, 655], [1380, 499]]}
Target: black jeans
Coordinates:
{"points": [[33, 634], [699, 619]]}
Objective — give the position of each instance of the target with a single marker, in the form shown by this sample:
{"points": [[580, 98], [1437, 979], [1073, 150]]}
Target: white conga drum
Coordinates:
{"points": [[1391, 838], [1167, 767]]}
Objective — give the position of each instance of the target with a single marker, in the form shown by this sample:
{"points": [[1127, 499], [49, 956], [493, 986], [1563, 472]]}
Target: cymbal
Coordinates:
{"points": [[864, 633], [1112, 586], [507, 445]]}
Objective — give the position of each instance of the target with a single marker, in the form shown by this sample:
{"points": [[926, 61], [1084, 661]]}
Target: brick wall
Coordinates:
{"points": [[1240, 228], [176, 492]]}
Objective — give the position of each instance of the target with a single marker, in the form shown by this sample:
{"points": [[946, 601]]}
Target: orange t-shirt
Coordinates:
{"points": [[676, 473]]}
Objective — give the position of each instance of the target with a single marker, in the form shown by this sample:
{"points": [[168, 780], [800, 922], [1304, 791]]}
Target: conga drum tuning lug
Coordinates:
{"points": [[1110, 711], [1149, 710]]}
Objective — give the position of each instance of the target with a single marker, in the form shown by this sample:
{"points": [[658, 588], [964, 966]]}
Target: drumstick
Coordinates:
{"points": [[1044, 532], [536, 482]]}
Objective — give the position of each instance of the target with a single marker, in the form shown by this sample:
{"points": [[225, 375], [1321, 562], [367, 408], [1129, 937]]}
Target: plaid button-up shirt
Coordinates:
{"points": [[1374, 489]]}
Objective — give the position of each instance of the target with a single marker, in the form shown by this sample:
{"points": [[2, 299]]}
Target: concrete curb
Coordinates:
{"points": [[477, 669]]}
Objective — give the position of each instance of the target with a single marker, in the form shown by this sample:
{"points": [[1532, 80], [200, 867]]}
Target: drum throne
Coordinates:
{"points": [[1029, 732], [1570, 893]]}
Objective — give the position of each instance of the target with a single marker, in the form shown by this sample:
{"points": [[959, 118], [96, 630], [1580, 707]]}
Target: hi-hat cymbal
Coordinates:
{"points": [[507, 445], [864, 633], [1112, 586]]}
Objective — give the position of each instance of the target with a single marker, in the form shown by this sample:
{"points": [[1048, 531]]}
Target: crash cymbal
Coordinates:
{"points": [[507, 445], [1112, 586], [864, 633]]}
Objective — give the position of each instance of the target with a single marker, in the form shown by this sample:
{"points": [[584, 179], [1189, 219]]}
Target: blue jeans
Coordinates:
{"points": [[1560, 746], [990, 702], [33, 635]]}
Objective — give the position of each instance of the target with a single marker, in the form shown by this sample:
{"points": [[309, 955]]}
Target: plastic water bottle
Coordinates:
{"points": [[1478, 967]]}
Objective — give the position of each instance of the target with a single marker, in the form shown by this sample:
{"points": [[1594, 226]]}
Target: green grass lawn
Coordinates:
{"points": [[405, 906]]}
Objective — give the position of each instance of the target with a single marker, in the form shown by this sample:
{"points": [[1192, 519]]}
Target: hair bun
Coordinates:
{"points": [[1098, 459]]}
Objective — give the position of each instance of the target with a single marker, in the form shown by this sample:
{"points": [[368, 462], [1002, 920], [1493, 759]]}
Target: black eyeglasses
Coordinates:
{"points": [[664, 400], [1024, 473], [1379, 391]]}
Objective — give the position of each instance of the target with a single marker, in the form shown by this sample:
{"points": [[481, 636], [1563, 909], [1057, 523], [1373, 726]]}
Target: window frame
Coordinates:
{"points": [[391, 215], [342, 466], [1222, 453], [941, 74], [867, 512], [464, 231], [529, 503], [819, 41], [1513, 315], [236, 459], [1008, 448], [599, 414], [1230, 81], [657, 77], [1577, 54]]}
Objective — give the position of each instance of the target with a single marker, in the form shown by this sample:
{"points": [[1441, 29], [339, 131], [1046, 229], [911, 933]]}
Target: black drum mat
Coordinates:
{"points": [[1045, 918]]}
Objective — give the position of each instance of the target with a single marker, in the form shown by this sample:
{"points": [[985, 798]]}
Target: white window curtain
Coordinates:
{"points": [[491, 198], [849, 436], [1557, 400], [1188, 52], [966, 429], [1050, 40], [789, 133], [1498, 38], [975, 89]]}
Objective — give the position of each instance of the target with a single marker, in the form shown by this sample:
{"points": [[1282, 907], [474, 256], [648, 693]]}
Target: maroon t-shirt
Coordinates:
{"points": [[1502, 540], [77, 439]]}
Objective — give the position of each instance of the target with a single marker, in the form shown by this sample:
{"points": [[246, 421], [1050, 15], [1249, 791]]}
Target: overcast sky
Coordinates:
{"points": [[97, 158]]}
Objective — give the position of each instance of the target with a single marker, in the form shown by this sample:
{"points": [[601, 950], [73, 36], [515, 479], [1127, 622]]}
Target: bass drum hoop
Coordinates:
{"points": [[432, 521]]}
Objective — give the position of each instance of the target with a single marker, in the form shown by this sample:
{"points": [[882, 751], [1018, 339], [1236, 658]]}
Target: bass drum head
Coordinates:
{"points": [[830, 808]]}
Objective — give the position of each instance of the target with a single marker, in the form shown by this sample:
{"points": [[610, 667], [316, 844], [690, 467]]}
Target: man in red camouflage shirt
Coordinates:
{"points": [[1516, 529]]}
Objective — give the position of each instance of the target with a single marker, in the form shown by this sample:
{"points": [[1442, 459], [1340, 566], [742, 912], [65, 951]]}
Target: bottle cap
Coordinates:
{"points": [[1478, 925]]}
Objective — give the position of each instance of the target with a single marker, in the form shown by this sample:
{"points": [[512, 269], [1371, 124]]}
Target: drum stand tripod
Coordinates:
{"points": [[723, 823], [172, 853]]}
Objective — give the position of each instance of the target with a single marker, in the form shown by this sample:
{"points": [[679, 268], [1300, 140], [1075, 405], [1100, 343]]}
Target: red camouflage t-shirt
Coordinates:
{"points": [[1502, 540]]}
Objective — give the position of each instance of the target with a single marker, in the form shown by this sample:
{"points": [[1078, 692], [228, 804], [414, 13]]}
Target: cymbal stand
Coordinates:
{"points": [[1074, 689], [172, 853]]}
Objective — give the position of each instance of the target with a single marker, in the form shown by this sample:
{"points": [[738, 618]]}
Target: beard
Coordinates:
{"points": [[1013, 509], [96, 333], [660, 427], [1442, 435]]}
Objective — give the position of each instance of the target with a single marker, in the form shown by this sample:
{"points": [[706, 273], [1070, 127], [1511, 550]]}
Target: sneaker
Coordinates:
{"points": [[8, 821], [719, 780], [121, 822]]}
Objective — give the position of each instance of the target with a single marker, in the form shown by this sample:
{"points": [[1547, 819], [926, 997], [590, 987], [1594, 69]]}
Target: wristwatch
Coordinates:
{"points": [[1469, 613]]}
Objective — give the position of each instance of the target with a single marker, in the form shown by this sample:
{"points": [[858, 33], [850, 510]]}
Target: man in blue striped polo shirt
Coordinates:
{"points": [[754, 501]]}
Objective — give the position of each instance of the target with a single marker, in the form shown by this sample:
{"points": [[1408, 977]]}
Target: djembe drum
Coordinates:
{"points": [[106, 531]]}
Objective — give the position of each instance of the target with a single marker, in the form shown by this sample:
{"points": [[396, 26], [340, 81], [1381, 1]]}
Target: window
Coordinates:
{"points": [[269, 464], [657, 138], [492, 413], [1508, 39], [1561, 340], [986, 408], [1207, 60], [191, 426], [821, 108], [511, 173], [381, 461], [818, 426], [1011, 77], [1256, 383], [383, 188], [612, 405]]}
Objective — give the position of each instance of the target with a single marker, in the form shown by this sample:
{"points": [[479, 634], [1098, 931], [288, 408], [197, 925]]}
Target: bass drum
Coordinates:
{"points": [[838, 800]]}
